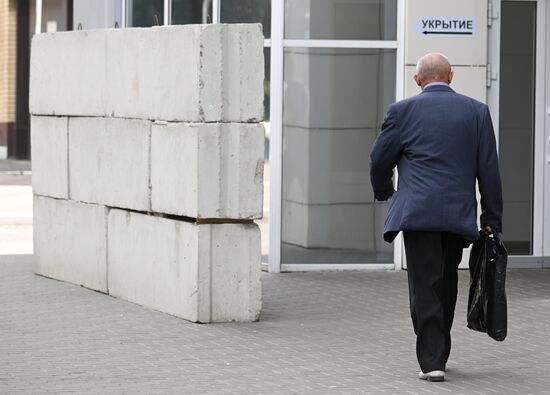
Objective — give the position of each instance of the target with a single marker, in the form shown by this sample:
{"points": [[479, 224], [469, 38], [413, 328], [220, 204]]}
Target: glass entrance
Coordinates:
{"points": [[339, 77], [521, 98]]}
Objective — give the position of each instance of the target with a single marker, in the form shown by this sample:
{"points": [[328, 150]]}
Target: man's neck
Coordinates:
{"points": [[435, 83]]}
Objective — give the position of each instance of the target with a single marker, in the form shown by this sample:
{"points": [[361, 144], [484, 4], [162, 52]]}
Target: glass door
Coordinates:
{"points": [[518, 103], [338, 74]]}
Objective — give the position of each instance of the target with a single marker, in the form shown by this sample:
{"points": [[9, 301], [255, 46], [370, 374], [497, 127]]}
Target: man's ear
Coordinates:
{"points": [[451, 76], [417, 80]]}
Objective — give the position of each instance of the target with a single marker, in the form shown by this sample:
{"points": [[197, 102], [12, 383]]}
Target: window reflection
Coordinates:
{"points": [[334, 101], [191, 11], [145, 13], [341, 19], [247, 11]]}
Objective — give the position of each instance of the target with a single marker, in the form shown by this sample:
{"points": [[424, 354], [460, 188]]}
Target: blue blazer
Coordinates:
{"points": [[441, 142]]}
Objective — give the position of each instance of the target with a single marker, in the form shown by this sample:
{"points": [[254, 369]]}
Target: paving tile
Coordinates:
{"points": [[319, 333]]}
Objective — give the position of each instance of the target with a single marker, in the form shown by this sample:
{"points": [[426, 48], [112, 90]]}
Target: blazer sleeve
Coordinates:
{"points": [[488, 175], [385, 155]]}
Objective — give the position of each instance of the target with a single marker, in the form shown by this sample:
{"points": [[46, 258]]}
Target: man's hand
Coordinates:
{"points": [[487, 229]]}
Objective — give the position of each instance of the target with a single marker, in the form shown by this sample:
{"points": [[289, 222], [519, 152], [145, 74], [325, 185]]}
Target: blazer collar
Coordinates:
{"points": [[438, 88]]}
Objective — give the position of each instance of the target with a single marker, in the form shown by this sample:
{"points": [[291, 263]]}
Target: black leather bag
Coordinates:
{"points": [[487, 308]]}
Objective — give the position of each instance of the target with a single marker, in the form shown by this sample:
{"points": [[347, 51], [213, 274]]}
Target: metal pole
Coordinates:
{"points": [[123, 16], [276, 138], [167, 12], [216, 11]]}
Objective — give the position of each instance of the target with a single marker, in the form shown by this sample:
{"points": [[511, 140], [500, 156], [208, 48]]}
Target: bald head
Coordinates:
{"points": [[433, 67]]}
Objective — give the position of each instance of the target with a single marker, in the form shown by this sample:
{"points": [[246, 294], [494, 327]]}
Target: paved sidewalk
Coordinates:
{"points": [[333, 333], [15, 214], [15, 166]]}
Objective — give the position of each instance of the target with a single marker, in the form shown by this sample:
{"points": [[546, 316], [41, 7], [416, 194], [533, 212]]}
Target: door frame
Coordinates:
{"points": [[278, 44], [541, 179]]}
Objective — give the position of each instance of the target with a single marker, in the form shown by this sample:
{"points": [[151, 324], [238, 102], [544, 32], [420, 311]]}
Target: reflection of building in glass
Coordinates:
{"points": [[332, 68]]}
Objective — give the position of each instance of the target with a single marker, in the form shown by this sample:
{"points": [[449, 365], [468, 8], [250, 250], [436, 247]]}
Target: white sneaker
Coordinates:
{"points": [[434, 375]]}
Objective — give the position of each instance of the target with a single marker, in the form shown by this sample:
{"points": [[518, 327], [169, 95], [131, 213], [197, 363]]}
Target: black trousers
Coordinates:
{"points": [[432, 267]]}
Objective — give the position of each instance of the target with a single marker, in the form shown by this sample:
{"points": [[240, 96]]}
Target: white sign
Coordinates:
{"points": [[446, 26]]}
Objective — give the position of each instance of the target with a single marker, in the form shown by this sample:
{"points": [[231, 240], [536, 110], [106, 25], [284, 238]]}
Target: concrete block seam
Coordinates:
{"points": [[68, 160], [181, 218]]}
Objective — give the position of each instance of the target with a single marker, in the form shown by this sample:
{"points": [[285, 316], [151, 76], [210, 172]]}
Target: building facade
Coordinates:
{"points": [[8, 17], [333, 67]]}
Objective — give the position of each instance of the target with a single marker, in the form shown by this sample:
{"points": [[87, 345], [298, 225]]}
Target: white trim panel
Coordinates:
{"points": [[310, 267], [276, 139], [546, 125], [538, 191], [339, 44]]}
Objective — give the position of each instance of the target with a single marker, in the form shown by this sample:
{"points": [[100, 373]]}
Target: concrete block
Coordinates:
{"points": [[195, 73], [208, 170], [109, 161], [154, 73], [49, 150], [70, 242], [243, 73], [202, 273], [67, 73]]}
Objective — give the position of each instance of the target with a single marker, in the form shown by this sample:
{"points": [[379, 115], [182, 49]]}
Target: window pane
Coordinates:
{"points": [[145, 13], [341, 19], [517, 123], [334, 103], [247, 11], [191, 11]]}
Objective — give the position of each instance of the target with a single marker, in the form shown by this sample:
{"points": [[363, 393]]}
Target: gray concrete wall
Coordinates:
{"points": [[132, 203]]}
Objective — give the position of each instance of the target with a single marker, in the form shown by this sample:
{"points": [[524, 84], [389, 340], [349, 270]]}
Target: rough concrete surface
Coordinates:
{"points": [[109, 161], [70, 242], [319, 333], [49, 146], [204, 273], [68, 73], [200, 73], [210, 170]]}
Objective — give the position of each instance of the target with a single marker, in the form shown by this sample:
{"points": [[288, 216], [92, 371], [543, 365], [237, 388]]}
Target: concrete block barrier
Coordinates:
{"points": [[70, 242], [148, 164], [109, 161], [202, 273], [198, 73], [208, 170], [49, 139]]}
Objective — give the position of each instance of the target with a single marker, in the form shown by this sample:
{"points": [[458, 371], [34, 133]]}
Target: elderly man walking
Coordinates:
{"points": [[441, 142]]}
